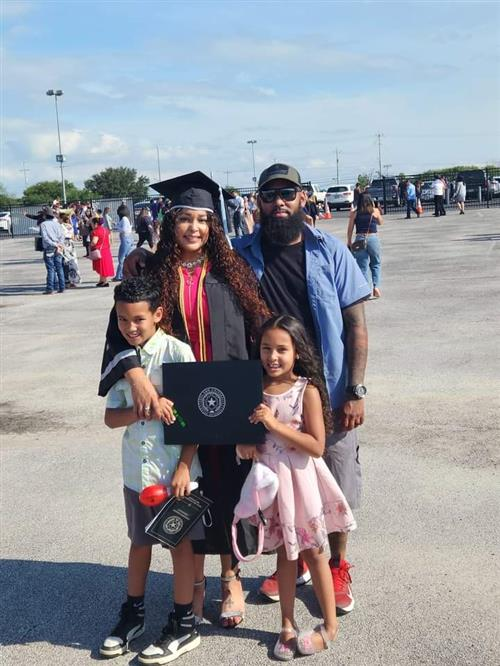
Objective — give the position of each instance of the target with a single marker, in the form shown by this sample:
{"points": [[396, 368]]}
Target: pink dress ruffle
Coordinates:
{"points": [[309, 504]]}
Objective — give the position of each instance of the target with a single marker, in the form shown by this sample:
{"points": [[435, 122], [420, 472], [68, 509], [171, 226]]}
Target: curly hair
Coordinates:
{"points": [[225, 264], [308, 364], [137, 289]]}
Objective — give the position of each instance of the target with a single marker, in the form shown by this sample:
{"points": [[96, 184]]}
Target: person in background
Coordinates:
{"points": [[239, 223], [418, 195], [357, 191], [411, 199], [366, 218], [70, 262], [438, 189], [103, 265], [460, 194], [108, 219], [144, 228], [53, 245], [311, 208], [124, 228], [85, 230]]}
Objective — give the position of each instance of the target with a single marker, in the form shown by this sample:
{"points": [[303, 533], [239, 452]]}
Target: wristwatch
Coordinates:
{"points": [[356, 392]]}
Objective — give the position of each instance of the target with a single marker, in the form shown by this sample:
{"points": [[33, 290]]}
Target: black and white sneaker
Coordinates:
{"points": [[175, 639], [130, 626]]}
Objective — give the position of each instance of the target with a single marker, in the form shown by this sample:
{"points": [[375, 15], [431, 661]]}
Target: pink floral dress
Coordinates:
{"points": [[309, 504]]}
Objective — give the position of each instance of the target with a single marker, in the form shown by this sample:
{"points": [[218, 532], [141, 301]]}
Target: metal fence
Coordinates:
{"points": [[482, 189], [25, 226]]}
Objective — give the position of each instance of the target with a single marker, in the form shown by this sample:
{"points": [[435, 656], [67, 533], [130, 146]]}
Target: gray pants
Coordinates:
{"points": [[342, 457]]}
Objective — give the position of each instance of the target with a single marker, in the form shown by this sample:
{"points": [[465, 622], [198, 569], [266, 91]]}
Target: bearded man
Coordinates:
{"points": [[309, 274]]}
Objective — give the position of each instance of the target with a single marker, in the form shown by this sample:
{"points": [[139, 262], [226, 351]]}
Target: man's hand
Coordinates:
{"points": [[247, 452], [181, 480], [353, 414], [135, 263], [145, 397], [166, 409]]}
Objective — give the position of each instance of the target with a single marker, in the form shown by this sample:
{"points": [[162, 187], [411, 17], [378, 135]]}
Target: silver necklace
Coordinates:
{"points": [[191, 265]]}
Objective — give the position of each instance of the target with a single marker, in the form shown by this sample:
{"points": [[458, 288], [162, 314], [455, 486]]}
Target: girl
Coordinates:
{"points": [[103, 264], [309, 504]]}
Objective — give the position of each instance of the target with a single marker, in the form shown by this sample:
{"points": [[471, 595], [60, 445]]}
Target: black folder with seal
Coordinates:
{"points": [[177, 517], [213, 401]]}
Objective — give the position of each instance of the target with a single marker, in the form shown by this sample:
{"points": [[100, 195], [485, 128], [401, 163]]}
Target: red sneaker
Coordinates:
{"points": [[344, 600], [269, 587]]}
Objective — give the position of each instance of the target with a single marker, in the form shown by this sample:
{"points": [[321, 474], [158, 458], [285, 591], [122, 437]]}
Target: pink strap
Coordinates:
{"points": [[236, 550]]}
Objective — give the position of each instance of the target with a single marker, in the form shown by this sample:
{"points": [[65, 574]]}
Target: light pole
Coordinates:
{"points": [[59, 158], [158, 161], [252, 142]]}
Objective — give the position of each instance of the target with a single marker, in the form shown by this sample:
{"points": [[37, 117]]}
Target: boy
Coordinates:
{"points": [[147, 461]]}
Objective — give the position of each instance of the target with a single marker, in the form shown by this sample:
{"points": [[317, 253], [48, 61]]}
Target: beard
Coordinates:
{"points": [[282, 231]]}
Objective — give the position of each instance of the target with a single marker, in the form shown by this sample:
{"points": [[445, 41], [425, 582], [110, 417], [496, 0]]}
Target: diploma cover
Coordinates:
{"points": [[177, 517], [213, 401]]}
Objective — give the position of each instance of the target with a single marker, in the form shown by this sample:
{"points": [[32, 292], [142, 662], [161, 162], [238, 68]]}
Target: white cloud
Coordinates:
{"points": [[96, 88], [109, 145], [14, 8]]}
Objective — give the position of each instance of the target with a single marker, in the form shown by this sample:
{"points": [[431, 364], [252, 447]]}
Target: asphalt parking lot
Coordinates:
{"points": [[425, 554]]}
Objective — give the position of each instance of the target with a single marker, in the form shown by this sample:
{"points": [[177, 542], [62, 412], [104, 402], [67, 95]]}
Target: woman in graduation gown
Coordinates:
{"points": [[210, 299]]}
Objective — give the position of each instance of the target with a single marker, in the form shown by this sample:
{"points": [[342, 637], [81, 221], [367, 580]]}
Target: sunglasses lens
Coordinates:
{"points": [[287, 194], [267, 196]]}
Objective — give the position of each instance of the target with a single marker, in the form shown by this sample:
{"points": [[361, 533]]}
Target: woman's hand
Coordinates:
{"points": [[181, 480], [262, 414], [145, 397], [135, 263], [247, 452], [166, 409]]}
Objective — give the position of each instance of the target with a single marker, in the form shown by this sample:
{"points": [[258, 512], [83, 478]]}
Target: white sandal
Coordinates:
{"points": [[282, 650]]}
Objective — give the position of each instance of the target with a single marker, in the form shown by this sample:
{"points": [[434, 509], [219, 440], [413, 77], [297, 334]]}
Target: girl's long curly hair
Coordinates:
{"points": [[225, 263], [307, 365]]}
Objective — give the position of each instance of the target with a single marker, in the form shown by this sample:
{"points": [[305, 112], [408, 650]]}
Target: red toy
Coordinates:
{"points": [[153, 495]]}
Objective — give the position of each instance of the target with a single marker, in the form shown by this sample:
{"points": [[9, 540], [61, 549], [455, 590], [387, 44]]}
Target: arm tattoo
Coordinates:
{"points": [[356, 340]]}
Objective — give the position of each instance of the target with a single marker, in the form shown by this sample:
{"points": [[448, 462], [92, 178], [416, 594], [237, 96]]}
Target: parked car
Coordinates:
{"points": [[427, 193], [376, 190], [5, 222], [316, 191], [494, 186], [475, 180], [340, 196]]}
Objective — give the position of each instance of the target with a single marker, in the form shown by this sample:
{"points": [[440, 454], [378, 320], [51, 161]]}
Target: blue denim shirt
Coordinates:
{"points": [[334, 282]]}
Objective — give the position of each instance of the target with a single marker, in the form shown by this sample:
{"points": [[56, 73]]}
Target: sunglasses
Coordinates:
{"points": [[284, 193]]}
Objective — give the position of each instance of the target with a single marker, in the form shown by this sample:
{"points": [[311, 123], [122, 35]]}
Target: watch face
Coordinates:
{"points": [[359, 390]]}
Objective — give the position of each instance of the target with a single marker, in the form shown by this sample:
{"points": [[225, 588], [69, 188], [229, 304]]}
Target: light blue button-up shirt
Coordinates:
{"points": [[334, 282], [146, 460]]}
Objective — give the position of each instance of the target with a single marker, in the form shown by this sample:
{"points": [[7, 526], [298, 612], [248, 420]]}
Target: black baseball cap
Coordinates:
{"points": [[281, 172], [192, 190]]}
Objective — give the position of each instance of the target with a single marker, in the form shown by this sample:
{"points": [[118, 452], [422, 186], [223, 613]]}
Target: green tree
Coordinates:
{"points": [[364, 179], [118, 182], [46, 191], [5, 197]]}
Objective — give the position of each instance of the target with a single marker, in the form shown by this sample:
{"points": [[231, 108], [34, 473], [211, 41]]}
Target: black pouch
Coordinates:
{"points": [[38, 244], [359, 245]]}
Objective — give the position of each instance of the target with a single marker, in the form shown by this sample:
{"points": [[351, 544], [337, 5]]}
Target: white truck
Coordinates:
{"points": [[316, 191]]}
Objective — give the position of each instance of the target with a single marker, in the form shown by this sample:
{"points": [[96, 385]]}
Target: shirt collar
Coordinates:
{"points": [[154, 342]]}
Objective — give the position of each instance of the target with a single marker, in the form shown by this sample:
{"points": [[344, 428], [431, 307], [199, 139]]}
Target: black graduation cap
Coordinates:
{"points": [[192, 190]]}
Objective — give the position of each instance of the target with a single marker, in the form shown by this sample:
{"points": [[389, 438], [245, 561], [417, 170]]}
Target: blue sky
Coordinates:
{"points": [[199, 79]]}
